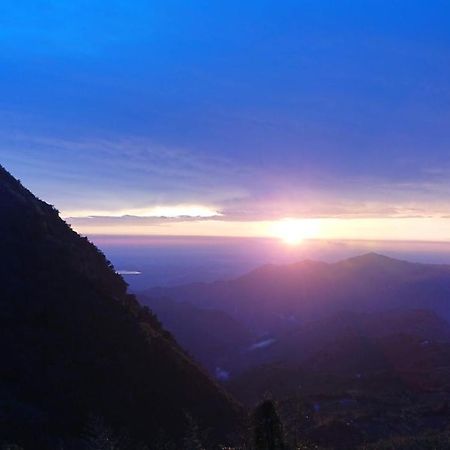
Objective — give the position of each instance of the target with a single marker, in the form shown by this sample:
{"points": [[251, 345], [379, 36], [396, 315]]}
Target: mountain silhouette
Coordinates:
{"points": [[273, 298], [75, 345]]}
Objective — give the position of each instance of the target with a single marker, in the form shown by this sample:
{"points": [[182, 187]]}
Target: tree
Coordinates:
{"points": [[267, 428]]}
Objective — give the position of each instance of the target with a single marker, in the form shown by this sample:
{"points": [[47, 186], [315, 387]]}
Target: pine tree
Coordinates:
{"points": [[268, 429]]}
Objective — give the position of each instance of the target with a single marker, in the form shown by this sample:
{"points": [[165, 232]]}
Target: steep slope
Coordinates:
{"points": [[73, 343], [211, 336]]}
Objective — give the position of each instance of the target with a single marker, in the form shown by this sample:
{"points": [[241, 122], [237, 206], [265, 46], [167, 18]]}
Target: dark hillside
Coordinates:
{"points": [[74, 344]]}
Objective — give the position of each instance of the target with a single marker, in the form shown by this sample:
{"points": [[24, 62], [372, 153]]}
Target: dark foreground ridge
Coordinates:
{"points": [[77, 349]]}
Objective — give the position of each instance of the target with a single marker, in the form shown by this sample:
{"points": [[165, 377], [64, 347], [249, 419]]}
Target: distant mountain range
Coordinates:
{"points": [[293, 310], [75, 346], [272, 297], [354, 351]]}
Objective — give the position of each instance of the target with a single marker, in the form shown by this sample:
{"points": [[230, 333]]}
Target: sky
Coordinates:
{"points": [[181, 117]]}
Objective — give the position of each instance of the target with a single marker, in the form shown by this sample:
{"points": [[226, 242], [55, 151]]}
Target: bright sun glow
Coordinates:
{"points": [[294, 231]]}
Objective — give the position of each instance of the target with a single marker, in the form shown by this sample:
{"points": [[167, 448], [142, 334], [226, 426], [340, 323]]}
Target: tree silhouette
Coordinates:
{"points": [[268, 429]]}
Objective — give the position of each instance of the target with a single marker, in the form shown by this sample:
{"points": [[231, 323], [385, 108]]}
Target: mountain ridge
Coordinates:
{"points": [[78, 344], [367, 258], [306, 288]]}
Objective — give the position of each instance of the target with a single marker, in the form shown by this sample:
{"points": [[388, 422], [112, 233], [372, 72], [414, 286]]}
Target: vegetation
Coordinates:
{"points": [[268, 429]]}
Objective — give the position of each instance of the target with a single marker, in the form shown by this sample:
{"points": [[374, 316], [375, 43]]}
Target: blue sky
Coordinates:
{"points": [[255, 110]]}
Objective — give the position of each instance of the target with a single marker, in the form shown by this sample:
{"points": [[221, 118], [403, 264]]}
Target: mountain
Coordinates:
{"points": [[388, 365], [359, 390], [413, 359], [295, 310], [355, 353], [272, 298], [75, 345], [296, 345], [211, 336]]}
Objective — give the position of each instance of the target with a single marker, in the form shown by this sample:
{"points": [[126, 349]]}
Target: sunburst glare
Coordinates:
{"points": [[294, 231]]}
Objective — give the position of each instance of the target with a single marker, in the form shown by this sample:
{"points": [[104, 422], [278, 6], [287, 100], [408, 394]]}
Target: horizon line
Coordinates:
{"points": [[270, 238]]}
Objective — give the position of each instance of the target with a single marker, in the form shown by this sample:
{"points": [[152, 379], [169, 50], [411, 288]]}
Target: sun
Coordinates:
{"points": [[294, 231]]}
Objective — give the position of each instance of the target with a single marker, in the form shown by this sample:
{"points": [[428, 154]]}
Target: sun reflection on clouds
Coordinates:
{"points": [[290, 232]]}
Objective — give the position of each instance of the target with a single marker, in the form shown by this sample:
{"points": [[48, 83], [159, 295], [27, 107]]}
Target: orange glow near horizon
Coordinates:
{"points": [[289, 231]]}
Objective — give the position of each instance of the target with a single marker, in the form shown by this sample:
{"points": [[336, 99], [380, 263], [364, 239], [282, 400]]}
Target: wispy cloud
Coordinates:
{"points": [[125, 174], [161, 212], [135, 181]]}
